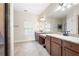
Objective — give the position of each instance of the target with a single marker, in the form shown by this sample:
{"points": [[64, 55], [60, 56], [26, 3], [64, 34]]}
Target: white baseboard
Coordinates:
{"points": [[23, 41]]}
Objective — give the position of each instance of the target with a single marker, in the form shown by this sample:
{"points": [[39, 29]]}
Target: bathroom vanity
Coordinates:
{"points": [[40, 38], [58, 44], [63, 46]]}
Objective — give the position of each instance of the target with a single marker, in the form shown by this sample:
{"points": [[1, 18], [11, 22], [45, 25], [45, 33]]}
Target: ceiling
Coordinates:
{"points": [[39, 8], [35, 8], [60, 13]]}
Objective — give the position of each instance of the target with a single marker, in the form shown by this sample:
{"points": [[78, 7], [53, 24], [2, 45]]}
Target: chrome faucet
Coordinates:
{"points": [[66, 33]]}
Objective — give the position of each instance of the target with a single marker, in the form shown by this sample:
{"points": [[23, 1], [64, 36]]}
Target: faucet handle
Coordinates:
{"points": [[67, 31]]}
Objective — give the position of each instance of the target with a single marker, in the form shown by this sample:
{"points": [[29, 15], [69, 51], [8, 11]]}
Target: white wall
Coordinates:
{"points": [[21, 32]]}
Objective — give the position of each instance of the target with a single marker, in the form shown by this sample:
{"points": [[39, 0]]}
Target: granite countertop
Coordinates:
{"points": [[67, 38], [62, 37], [44, 34]]}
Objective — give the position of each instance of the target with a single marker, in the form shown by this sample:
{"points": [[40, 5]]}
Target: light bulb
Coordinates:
{"points": [[42, 19]]}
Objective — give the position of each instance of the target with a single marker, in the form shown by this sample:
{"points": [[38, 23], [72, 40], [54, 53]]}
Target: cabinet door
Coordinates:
{"points": [[42, 40], [68, 52], [55, 49], [47, 43]]}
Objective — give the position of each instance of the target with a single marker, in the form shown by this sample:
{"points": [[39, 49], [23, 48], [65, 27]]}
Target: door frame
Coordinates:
{"points": [[6, 27]]}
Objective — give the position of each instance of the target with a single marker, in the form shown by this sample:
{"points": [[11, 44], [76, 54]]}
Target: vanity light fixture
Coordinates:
{"points": [[42, 19]]}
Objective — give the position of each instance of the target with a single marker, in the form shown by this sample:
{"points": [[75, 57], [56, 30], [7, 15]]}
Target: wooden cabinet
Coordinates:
{"points": [[55, 47], [70, 49], [42, 39], [68, 52], [47, 43], [39, 38], [58, 47]]}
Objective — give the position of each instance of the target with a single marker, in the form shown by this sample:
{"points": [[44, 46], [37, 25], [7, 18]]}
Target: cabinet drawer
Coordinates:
{"points": [[68, 52], [71, 46], [56, 40]]}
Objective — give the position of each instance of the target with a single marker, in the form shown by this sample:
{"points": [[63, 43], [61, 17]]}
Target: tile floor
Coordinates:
{"points": [[32, 48]]}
